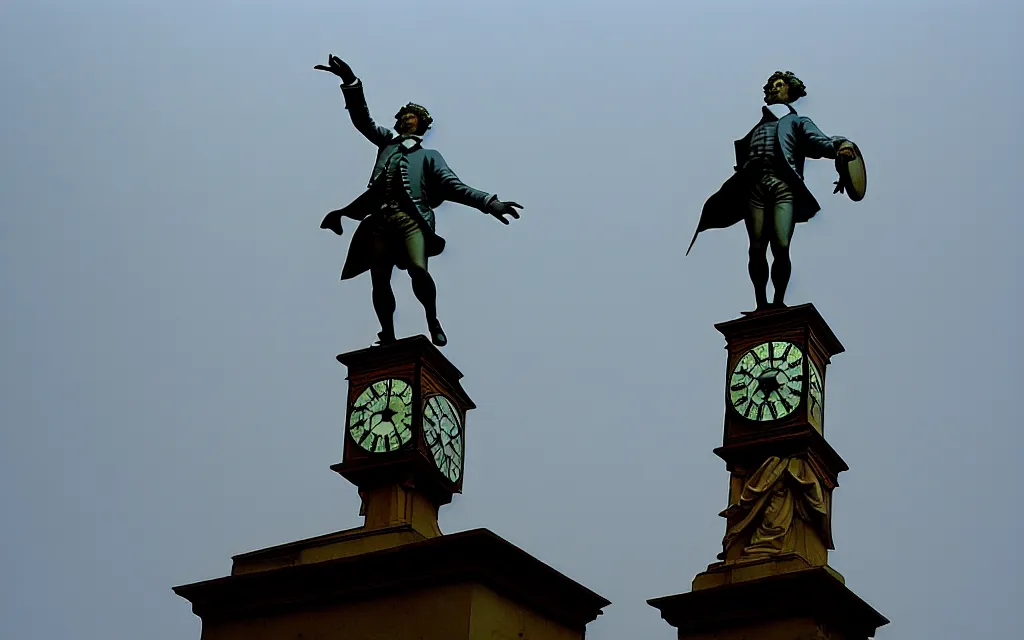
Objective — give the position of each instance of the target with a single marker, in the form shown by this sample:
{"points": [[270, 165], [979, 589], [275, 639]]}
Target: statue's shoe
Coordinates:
{"points": [[437, 335], [384, 339]]}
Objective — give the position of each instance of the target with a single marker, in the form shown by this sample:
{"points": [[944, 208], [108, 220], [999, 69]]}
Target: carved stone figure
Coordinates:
{"points": [[779, 491]]}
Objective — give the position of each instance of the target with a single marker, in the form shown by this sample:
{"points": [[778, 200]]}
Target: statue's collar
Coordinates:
{"points": [[409, 141], [777, 111]]}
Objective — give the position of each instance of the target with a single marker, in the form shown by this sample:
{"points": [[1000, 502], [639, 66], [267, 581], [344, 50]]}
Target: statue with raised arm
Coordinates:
{"points": [[767, 190], [396, 212]]}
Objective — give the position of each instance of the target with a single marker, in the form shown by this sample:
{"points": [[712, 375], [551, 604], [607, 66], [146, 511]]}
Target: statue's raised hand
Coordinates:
{"points": [[338, 67], [500, 209]]}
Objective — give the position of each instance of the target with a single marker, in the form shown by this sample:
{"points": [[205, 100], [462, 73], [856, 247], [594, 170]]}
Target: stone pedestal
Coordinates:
{"points": [[391, 584], [788, 602]]}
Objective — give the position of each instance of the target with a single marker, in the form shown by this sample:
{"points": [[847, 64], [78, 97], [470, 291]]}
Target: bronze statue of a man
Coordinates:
{"points": [[396, 212], [767, 190]]}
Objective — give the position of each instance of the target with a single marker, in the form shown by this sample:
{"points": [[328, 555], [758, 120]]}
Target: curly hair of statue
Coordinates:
{"points": [[421, 113], [797, 89]]}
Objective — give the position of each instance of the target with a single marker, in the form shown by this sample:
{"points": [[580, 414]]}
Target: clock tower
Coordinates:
{"points": [[774, 424], [772, 579], [397, 576], [404, 433]]}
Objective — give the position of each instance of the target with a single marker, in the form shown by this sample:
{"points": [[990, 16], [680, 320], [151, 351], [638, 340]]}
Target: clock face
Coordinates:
{"points": [[442, 430], [381, 418], [816, 396], [767, 381]]}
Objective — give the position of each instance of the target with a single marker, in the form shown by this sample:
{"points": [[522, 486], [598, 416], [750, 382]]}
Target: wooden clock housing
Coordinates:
{"points": [[416, 361], [747, 442]]}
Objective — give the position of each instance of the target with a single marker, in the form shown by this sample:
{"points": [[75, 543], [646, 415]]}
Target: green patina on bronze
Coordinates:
{"points": [[767, 190], [396, 212]]}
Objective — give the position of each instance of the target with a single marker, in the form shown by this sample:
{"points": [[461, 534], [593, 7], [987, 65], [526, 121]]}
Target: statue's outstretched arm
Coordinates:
{"points": [[453, 189], [817, 144], [355, 102]]}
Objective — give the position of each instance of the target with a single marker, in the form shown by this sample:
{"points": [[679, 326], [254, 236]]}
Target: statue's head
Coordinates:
{"points": [[783, 88], [413, 118]]}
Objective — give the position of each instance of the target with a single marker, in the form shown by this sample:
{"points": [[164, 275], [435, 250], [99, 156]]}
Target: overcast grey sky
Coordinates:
{"points": [[171, 310]]}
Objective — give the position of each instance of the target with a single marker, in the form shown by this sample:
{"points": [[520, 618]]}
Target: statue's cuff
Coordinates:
{"points": [[487, 203], [355, 84]]}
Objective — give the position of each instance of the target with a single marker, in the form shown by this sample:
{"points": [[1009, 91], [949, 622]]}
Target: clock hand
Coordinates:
{"points": [[782, 399], [366, 434]]}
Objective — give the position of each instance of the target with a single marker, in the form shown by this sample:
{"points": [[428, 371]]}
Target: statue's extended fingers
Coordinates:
{"points": [[514, 204], [321, 67]]}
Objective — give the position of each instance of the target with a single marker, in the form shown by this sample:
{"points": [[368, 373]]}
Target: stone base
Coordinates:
{"points": [[808, 604], [462, 586], [722, 573], [333, 546]]}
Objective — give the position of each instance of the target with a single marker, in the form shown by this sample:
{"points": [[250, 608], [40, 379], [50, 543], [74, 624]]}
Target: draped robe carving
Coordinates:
{"points": [[781, 490]]}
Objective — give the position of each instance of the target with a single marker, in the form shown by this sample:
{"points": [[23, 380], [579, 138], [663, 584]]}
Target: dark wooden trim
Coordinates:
{"points": [[769, 323]]}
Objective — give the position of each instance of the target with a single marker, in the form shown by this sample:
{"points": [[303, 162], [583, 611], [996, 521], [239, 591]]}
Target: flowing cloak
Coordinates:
{"points": [[797, 138]]}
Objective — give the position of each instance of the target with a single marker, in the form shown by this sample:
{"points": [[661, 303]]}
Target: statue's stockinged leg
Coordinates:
{"points": [[423, 285], [757, 264], [426, 292], [782, 233], [381, 266], [384, 301]]}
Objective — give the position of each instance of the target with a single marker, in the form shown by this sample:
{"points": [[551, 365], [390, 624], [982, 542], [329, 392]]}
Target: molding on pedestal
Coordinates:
{"points": [[469, 557], [809, 597]]}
